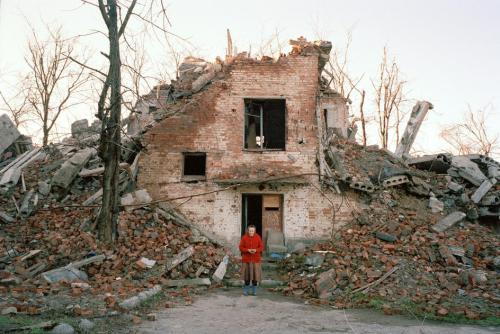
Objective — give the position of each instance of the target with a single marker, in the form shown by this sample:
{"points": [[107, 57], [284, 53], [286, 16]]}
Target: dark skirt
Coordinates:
{"points": [[251, 272]]}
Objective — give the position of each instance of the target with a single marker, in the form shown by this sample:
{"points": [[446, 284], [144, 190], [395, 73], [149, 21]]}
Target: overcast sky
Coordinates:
{"points": [[449, 51]]}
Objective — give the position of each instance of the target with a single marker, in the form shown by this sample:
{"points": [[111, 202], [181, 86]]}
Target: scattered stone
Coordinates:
{"points": [[298, 248], [221, 269], [9, 310], [6, 218], [66, 274], [448, 221], [151, 317], [385, 237], [482, 190], [442, 312], [435, 205], [134, 301], [63, 328], [86, 325], [187, 282], [144, 263], [43, 188], [136, 199], [179, 258], [71, 167], [325, 283], [453, 186], [315, 260]]}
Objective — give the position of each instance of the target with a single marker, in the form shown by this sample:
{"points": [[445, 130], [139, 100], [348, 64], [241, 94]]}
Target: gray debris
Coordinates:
{"points": [[79, 128], [63, 328], [134, 301], [187, 282], [65, 274], [276, 242], [179, 258], [385, 237], [136, 199], [43, 188], [299, 247], [9, 310], [325, 282], [467, 169], [448, 221], [494, 172], [71, 167], [482, 190], [8, 132], [315, 260], [435, 205], [86, 325], [416, 118], [6, 218], [453, 186], [221, 269]]}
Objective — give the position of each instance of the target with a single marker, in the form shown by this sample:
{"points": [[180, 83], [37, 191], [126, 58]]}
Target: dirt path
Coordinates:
{"points": [[230, 312]]}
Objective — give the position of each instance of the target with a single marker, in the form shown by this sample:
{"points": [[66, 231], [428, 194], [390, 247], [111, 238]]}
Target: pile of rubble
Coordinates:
{"points": [[50, 257], [416, 240]]}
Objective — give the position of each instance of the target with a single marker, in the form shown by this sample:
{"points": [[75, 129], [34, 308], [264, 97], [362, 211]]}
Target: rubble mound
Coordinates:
{"points": [[416, 245], [137, 260]]}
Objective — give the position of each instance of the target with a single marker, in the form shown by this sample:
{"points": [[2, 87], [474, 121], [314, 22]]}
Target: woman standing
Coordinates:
{"points": [[251, 247]]}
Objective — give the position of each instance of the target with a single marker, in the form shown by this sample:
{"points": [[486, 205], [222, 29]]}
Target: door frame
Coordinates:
{"points": [[244, 208]]}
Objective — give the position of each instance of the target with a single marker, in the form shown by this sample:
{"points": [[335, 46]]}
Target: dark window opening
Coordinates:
{"points": [[265, 124], [195, 164]]}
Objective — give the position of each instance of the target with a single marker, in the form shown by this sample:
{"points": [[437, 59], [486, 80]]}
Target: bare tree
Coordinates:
{"points": [[472, 134], [389, 97], [342, 81], [109, 106], [17, 105], [54, 79]]}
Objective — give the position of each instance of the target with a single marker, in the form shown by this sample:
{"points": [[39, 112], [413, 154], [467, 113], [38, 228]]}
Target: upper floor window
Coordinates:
{"points": [[265, 124]]}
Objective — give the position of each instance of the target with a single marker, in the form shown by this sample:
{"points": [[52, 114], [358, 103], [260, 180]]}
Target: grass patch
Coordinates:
{"points": [[152, 301], [409, 308]]}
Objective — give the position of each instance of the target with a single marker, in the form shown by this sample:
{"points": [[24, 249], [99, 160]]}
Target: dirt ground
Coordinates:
{"points": [[229, 311]]}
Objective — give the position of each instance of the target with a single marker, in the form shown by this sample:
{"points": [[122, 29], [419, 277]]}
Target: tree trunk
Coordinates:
{"points": [[111, 136], [362, 116]]}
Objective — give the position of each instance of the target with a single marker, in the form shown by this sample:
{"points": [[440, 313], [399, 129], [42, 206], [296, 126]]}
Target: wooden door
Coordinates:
{"points": [[271, 214]]}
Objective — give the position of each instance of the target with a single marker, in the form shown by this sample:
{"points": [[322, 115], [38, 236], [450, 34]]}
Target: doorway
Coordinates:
{"points": [[264, 211]]}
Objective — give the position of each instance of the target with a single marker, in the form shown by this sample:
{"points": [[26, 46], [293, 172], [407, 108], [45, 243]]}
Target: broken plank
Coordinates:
{"points": [[482, 190], [377, 282], [448, 221], [98, 171], [175, 283], [6, 218], [30, 254], [417, 116], [179, 258], [55, 274], [93, 198]]}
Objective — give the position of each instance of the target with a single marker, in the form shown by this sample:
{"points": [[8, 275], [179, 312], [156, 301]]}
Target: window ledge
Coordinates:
{"points": [[191, 178], [264, 150]]}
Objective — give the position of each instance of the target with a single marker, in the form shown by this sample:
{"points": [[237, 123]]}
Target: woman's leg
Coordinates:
{"points": [[254, 288]]}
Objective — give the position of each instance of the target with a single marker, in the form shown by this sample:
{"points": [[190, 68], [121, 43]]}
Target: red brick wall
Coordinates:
{"points": [[214, 123]]}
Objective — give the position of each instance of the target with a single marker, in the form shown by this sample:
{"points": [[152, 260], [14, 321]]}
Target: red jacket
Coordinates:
{"points": [[247, 242]]}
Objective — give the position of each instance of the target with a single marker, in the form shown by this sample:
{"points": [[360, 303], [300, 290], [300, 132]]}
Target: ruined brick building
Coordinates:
{"points": [[246, 133]]}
